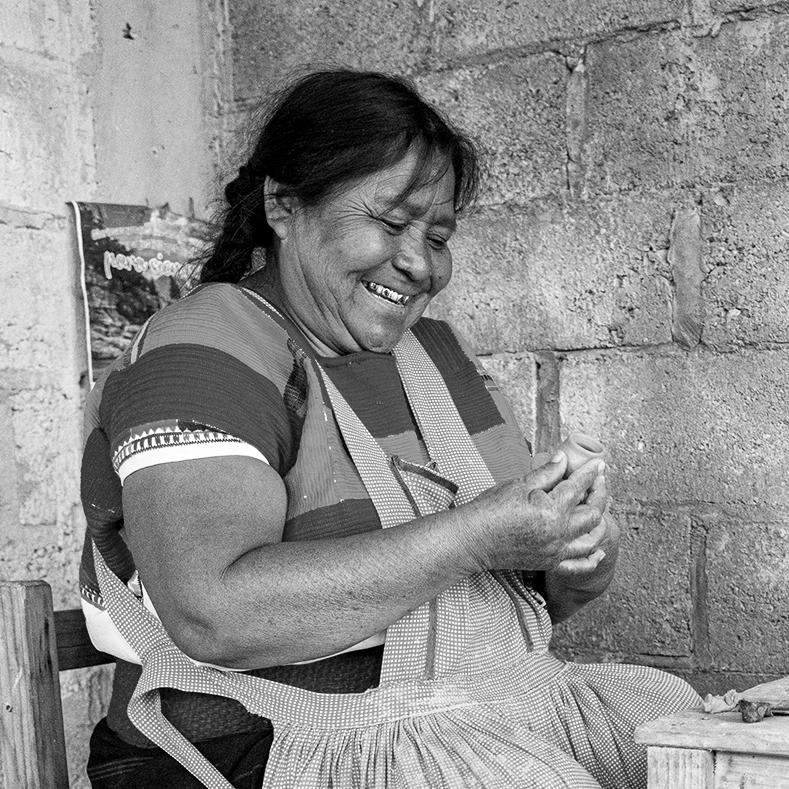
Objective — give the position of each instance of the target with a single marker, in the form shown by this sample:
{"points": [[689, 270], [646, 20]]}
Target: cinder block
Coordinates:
{"points": [[46, 423], [46, 141], [747, 246], [58, 30], [562, 275], [748, 597], [646, 612], [516, 113], [516, 374], [636, 114], [271, 40], [741, 98], [470, 28], [669, 110], [685, 427], [39, 330]]}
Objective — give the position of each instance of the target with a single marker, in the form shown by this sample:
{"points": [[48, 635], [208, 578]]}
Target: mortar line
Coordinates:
{"points": [[699, 623], [547, 417]]}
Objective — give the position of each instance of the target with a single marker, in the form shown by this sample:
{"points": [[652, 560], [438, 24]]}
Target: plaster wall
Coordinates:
{"points": [[113, 102]]}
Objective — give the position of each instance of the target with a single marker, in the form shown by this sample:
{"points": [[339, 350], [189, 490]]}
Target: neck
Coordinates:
{"points": [[266, 282]]}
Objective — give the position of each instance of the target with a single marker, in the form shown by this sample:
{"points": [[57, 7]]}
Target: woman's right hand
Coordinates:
{"points": [[538, 521]]}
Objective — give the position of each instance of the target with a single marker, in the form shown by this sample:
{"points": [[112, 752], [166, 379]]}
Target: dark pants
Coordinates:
{"points": [[114, 764]]}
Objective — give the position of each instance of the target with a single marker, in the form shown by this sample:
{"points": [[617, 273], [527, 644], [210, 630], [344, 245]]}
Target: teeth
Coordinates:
{"points": [[387, 293]]}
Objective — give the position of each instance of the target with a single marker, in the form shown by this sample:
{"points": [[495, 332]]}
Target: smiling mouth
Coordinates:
{"points": [[387, 293]]}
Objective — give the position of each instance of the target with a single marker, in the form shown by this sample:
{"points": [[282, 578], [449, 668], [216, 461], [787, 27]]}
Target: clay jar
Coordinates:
{"points": [[579, 449]]}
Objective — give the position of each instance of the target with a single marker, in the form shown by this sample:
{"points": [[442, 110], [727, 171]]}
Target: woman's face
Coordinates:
{"points": [[358, 270]]}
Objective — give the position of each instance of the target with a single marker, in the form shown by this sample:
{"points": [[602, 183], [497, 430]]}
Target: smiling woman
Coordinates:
{"points": [[317, 543], [360, 269]]}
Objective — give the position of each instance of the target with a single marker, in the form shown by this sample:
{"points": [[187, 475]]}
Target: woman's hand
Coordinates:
{"points": [[541, 521], [602, 540], [575, 582]]}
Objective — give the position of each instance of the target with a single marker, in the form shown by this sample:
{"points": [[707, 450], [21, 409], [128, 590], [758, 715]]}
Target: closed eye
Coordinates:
{"points": [[391, 226], [437, 242]]}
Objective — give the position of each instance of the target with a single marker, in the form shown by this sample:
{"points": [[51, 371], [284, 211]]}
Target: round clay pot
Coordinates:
{"points": [[580, 448]]}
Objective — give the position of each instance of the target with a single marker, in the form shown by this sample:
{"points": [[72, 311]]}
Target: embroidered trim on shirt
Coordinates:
{"points": [[171, 444]]}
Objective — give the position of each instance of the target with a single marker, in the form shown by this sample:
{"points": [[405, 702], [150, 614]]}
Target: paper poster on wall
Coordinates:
{"points": [[134, 260]]}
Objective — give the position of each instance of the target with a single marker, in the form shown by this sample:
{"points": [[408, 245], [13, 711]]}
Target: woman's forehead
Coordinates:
{"points": [[399, 185]]}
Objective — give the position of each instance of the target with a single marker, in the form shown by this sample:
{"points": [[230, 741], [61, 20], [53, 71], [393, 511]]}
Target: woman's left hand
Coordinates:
{"points": [[600, 542], [574, 582]]}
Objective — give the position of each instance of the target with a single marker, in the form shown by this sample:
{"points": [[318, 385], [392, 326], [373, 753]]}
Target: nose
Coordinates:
{"points": [[413, 257]]}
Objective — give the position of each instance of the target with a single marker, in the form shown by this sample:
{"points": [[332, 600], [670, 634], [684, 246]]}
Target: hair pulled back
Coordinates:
{"points": [[324, 131]]}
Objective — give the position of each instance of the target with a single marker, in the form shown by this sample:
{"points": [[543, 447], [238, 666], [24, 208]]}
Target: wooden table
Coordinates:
{"points": [[697, 750]]}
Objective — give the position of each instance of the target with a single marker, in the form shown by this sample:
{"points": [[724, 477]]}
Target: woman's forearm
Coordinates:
{"points": [[230, 592], [294, 601]]}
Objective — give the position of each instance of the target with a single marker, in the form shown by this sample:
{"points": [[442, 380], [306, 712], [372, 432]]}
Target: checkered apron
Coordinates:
{"points": [[469, 695]]}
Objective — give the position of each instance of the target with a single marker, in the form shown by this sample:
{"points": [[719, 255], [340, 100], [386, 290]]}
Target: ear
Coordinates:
{"points": [[279, 208]]}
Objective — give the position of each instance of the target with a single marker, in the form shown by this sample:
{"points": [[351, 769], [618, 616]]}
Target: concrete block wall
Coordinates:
{"points": [[623, 274]]}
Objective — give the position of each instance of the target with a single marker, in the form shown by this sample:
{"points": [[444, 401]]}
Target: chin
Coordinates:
{"points": [[380, 344], [383, 338]]}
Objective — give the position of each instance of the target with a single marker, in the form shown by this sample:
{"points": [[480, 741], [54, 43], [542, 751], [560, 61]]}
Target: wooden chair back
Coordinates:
{"points": [[36, 643]]}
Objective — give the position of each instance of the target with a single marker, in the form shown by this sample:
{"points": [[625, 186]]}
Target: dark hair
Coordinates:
{"points": [[323, 131]]}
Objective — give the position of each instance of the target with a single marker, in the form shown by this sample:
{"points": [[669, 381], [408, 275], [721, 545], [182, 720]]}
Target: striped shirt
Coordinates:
{"points": [[213, 374]]}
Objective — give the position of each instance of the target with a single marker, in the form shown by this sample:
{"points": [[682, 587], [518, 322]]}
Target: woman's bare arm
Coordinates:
{"points": [[206, 537]]}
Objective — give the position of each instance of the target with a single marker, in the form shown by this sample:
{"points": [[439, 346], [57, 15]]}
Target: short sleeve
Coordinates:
{"points": [[174, 444], [208, 380]]}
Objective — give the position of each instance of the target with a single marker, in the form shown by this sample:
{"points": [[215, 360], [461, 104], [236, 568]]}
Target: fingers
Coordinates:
{"points": [[589, 538], [547, 476], [581, 565], [574, 490], [598, 493]]}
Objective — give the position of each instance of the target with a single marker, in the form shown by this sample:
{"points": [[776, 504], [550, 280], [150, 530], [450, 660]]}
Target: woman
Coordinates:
{"points": [[318, 487]]}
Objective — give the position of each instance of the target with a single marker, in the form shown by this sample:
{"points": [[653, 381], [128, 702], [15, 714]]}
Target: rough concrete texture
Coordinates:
{"points": [[84, 693], [746, 8], [747, 567], [719, 682], [475, 28], [46, 157], [150, 105], [670, 109], [515, 112], [746, 248], [646, 613], [52, 28], [45, 423], [562, 275], [516, 375], [684, 427], [271, 40], [45, 145], [37, 263]]}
